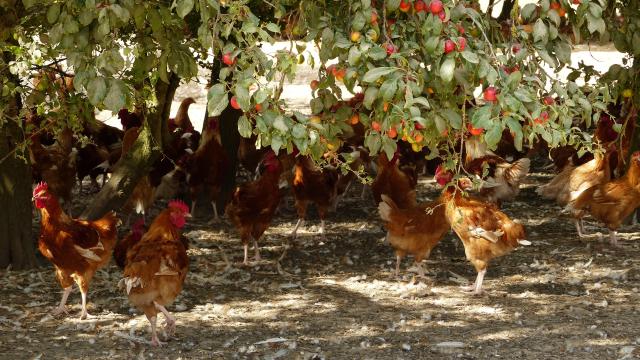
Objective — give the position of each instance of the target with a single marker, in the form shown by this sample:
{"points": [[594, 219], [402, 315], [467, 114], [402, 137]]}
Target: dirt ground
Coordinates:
{"points": [[561, 298]]}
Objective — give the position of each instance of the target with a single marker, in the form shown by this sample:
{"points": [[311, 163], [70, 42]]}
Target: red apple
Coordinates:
{"points": [[515, 48], [314, 84], [375, 126], [449, 46], [474, 131], [548, 100], [391, 49], [418, 126], [234, 103], [405, 6], [544, 115], [555, 5], [374, 17], [228, 59], [435, 7], [490, 94], [460, 29], [420, 6], [577, 2], [462, 43], [442, 15], [392, 133], [258, 107]]}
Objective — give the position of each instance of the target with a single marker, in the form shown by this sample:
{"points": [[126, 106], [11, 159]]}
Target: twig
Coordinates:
{"points": [[132, 338], [228, 264]]}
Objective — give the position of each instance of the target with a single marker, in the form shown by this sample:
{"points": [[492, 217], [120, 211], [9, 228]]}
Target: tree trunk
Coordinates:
{"points": [[505, 13], [17, 247], [139, 160], [230, 142]]}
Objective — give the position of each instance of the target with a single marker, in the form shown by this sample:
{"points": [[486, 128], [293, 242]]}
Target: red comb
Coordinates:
{"points": [[179, 204], [42, 186]]}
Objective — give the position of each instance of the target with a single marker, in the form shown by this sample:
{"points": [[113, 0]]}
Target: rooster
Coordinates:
{"points": [[567, 186], [77, 248], [142, 195], [397, 184], [56, 164], [416, 230], [253, 204], [156, 267], [207, 167], [485, 231], [612, 201], [134, 236], [311, 184], [503, 179]]}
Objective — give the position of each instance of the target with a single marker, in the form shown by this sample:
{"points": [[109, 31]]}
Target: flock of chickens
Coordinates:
{"points": [[154, 258]]}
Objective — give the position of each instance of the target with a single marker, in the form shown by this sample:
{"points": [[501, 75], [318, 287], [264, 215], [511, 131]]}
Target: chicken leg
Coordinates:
{"points": [[398, 261], [215, 211], [613, 237], [62, 307], [294, 233], [170, 321], [477, 286], [257, 250], [84, 314], [322, 229], [154, 333]]}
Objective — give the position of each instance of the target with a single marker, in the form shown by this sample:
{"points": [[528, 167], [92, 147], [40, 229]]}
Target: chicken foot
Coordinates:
{"points": [[169, 321], [246, 252], [580, 227], [294, 233], [60, 309], [84, 314], [154, 333], [613, 238], [476, 288]]}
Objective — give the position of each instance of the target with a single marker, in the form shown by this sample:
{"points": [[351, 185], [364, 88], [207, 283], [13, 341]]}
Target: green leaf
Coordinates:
{"points": [[481, 117], [373, 142], [370, 96], [276, 143], [260, 96], [358, 21], [470, 57], [71, 26], [316, 106], [523, 95], [96, 90], [514, 79], [388, 89], [217, 100], [354, 56], [563, 52], [446, 70], [454, 118], [184, 7], [299, 131], [86, 17], [243, 96], [244, 127], [377, 53], [388, 146], [540, 31], [53, 12], [116, 98], [279, 124], [493, 135], [376, 73], [273, 27], [516, 128], [392, 5]]}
